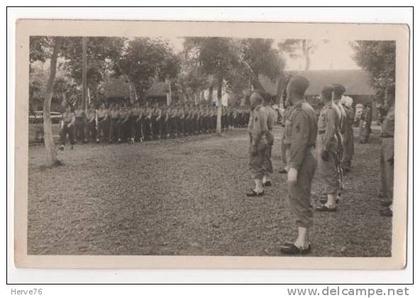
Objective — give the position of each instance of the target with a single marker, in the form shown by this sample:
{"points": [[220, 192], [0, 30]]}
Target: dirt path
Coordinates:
{"points": [[186, 197]]}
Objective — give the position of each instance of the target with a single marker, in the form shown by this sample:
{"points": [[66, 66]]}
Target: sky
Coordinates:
{"points": [[334, 54]]}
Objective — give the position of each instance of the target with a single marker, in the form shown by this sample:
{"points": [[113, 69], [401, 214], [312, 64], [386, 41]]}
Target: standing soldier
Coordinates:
{"points": [[271, 119], [338, 91], [286, 138], [164, 122], [182, 121], [91, 124], [147, 123], [327, 147], [67, 127], [134, 123], [365, 122], [387, 153], [102, 123], [301, 164], [80, 125], [258, 131], [123, 124], [348, 142], [172, 122], [114, 115]]}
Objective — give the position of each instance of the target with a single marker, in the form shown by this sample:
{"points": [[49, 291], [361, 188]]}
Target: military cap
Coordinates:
{"points": [[339, 89], [299, 84], [327, 91]]}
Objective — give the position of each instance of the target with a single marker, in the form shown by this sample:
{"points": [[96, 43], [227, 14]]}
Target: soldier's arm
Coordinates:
{"points": [[330, 129], [73, 119], [299, 140]]}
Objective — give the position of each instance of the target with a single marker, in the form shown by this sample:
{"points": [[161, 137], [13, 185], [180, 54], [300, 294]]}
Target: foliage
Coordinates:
{"points": [[146, 60], [377, 58]]}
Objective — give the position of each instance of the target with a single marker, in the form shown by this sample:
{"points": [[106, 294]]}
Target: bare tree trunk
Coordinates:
{"points": [[306, 54], [219, 106], [48, 134], [84, 73]]}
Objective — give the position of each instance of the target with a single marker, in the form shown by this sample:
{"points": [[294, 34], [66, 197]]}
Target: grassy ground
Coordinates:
{"points": [[187, 197]]}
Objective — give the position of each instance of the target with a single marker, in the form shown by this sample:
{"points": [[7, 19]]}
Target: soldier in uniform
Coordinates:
{"points": [[91, 124], [327, 147], [123, 124], [271, 119], [301, 164], [102, 123], [348, 142], [80, 125], [387, 153], [114, 115], [134, 123], [285, 140], [258, 131], [67, 127], [147, 123], [338, 91], [164, 122], [365, 122]]}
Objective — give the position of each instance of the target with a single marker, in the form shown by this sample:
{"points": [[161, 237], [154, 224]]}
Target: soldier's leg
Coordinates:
{"points": [[256, 164], [300, 200], [268, 166], [63, 135], [71, 135], [329, 176]]}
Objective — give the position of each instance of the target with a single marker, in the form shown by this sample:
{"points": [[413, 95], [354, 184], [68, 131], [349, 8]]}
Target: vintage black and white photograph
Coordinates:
{"points": [[268, 145]]}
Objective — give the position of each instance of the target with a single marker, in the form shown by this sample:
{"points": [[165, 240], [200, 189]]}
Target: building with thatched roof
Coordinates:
{"points": [[356, 82], [116, 89]]}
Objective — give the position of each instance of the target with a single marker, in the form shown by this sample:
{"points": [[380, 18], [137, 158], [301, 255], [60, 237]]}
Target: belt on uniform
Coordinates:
{"points": [[386, 136]]}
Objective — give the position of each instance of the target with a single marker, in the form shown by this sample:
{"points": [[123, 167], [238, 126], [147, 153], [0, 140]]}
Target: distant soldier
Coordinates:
{"points": [[258, 131], [286, 138], [348, 141], [147, 123], [387, 153], [114, 115], [365, 123], [134, 123], [141, 120], [124, 124], [182, 121], [102, 123], [271, 120], [301, 164], [80, 125], [164, 122], [91, 128], [327, 148], [67, 127], [172, 122], [338, 91]]}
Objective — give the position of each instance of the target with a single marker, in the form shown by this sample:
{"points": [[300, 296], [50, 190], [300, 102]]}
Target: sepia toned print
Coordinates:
{"points": [[181, 148]]}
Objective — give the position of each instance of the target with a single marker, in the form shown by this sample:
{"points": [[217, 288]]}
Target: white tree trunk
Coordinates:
{"points": [[219, 106], [48, 134]]}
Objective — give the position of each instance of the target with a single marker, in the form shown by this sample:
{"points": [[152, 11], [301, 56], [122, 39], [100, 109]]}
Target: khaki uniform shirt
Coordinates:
{"points": [[258, 125], [327, 127], [303, 132]]}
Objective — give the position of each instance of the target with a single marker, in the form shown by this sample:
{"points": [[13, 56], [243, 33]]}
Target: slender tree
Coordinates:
{"points": [[48, 134]]}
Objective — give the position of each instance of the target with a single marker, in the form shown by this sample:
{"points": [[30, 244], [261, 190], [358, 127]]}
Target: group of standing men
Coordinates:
{"points": [[121, 123], [309, 143]]}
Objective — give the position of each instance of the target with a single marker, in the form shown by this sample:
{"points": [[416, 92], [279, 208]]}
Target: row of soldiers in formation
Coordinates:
{"points": [[311, 142], [136, 123]]}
